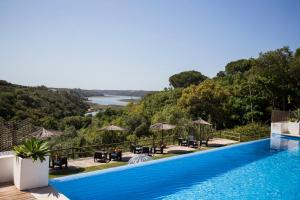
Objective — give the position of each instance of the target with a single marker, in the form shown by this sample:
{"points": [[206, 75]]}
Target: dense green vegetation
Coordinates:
{"points": [[45, 107], [244, 93], [240, 97], [246, 132]]}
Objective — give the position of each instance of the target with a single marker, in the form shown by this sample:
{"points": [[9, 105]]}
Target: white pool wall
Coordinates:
{"points": [[6, 167]]}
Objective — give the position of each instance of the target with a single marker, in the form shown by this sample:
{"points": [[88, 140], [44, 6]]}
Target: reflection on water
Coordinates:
{"points": [[279, 142]]}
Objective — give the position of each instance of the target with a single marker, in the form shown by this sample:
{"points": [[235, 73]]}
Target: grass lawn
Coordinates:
{"points": [[72, 170]]}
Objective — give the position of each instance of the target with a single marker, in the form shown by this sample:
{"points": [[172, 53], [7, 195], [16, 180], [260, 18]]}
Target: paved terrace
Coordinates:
{"points": [[9, 192], [171, 149]]}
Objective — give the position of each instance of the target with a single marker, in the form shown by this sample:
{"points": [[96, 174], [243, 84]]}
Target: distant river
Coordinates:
{"points": [[112, 100]]}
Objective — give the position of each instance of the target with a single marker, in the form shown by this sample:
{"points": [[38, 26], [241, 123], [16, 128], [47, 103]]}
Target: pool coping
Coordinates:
{"points": [[121, 168], [287, 135]]}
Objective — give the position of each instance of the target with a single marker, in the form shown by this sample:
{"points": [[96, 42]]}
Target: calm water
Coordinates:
{"points": [[265, 169], [111, 100]]}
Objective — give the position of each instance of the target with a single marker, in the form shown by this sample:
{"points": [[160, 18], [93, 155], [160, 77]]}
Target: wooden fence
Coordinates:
{"points": [[14, 132], [281, 116], [228, 135], [240, 137], [85, 151]]}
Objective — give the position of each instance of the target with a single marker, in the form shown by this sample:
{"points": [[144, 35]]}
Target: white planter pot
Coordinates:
{"points": [[294, 128], [30, 174]]}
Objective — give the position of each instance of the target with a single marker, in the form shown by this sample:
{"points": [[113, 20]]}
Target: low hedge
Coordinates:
{"points": [[252, 131]]}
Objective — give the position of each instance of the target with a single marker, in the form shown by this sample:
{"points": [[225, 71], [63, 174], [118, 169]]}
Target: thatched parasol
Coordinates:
{"points": [[44, 133], [112, 128], [161, 127], [200, 121]]}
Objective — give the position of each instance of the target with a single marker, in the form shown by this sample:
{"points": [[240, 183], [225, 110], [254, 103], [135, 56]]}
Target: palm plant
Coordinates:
{"points": [[296, 114], [32, 148], [295, 117]]}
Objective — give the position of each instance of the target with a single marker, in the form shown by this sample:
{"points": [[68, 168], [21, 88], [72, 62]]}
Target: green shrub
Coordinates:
{"points": [[295, 116], [252, 131], [32, 148]]}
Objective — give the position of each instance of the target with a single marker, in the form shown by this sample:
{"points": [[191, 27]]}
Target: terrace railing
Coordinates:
{"points": [[86, 151], [241, 137], [228, 135]]}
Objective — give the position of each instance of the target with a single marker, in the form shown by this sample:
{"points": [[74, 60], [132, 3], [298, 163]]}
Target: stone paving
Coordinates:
{"points": [[89, 161]]}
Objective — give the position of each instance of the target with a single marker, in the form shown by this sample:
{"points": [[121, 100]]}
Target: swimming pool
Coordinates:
{"points": [[264, 169]]}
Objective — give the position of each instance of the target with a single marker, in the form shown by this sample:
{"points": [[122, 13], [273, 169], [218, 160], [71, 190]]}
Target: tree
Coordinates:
{"points": [[206, 100], [187, 78], [221, 74], [77, 121], [49, 122], [238, 66], [170, 114], [297, 53], [272, 73]]}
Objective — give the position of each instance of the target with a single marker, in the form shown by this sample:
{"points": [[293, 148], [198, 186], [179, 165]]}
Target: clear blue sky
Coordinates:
{"points": [[136, 44]]}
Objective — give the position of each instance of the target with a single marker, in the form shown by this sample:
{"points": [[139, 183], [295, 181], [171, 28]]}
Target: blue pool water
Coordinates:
{"points": [[264, 169]]}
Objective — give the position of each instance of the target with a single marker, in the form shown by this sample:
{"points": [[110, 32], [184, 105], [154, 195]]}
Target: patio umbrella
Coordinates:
{"points": [[44, 133], [112, 128], [161, 127], [200, 122], [139, 159]]}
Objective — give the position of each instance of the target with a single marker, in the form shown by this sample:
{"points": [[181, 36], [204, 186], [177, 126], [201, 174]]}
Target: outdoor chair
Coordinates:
{"points": [[146, 150], [116, 155], [100, 156], [59, 161], [159, 149], [184, 143], [204, 142], [137, 149], [205, 138], [193, 143]]}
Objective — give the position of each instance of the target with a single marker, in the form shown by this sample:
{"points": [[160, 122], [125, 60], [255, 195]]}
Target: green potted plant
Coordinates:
{"points": [[294, 122], [31, 166]]}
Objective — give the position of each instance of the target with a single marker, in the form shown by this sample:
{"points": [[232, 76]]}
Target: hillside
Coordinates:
{"points": [[90, 93], [41, 104]]}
